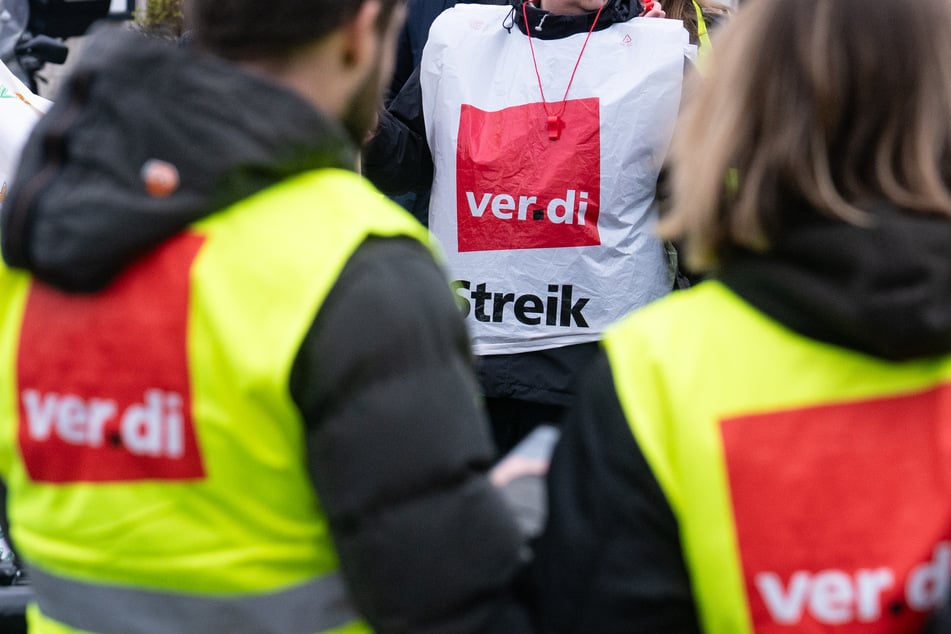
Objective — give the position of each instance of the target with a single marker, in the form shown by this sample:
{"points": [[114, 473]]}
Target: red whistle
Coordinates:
{"points": [[554, 127], [648, 5]]}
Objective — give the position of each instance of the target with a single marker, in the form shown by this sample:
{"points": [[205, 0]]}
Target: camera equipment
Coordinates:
{"points": [[65, 18]]}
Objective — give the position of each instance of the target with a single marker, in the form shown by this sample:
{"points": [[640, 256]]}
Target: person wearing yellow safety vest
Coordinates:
{"points": [[236, 392], [768, 451]]}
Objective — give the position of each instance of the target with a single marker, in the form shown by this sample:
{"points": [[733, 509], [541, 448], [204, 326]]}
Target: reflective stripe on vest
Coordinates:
{"points": [[315, 606], [188, 476], [809, 482]]}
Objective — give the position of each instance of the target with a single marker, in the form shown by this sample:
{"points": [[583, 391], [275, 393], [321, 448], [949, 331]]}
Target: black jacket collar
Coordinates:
{"points": [[883, 289], [545, 25]]}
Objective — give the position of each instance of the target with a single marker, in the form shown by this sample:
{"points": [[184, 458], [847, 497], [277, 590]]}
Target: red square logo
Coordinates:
{"points": [[103, 379], [519, 189], [843, 512]]}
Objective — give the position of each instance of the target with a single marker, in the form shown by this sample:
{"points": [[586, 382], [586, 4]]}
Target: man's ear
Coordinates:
{"points": [[361, 35]]}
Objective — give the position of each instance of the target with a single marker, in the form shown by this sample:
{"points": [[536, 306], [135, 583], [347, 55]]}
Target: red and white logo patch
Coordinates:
{"points": [[519, 189], [843, 513], [103, 379]]}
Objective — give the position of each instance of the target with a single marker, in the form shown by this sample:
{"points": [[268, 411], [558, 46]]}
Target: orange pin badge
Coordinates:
{"points": [[161, 178]]}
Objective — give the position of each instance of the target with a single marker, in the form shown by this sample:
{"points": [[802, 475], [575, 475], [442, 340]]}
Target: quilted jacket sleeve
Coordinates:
{"points": [[399, 447]]}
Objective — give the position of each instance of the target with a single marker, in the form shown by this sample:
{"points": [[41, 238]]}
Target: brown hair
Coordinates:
{"points": [[685, 11], [271, 29], [820, 106]]}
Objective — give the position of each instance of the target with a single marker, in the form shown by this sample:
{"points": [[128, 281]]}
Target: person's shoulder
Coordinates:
{"points": [[397, 284], [393, 266], [458, 31], [471, 17], [390, 307]]}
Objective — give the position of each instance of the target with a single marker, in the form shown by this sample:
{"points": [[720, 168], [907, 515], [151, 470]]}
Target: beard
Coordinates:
{"points": [[361, 111]]}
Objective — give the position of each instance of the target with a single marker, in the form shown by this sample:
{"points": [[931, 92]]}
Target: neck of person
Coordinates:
{"points": [[566, 7]]}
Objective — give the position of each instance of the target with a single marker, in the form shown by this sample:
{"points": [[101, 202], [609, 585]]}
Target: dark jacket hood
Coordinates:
{"points": [[545, 25], [78, 210], [883, 289]]}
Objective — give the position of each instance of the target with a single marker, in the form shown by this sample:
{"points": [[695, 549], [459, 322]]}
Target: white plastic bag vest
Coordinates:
{"points": [[20, 109], [549, 241]]}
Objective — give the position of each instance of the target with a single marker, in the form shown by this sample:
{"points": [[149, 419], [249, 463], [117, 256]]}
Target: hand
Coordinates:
{"points": [[652, 9]]}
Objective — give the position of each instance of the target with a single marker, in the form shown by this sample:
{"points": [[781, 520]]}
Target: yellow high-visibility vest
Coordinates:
{"points": [[811, 483], [153, 455]]}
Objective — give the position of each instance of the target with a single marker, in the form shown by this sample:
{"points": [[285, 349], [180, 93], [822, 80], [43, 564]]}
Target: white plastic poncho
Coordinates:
{"points": [[549, 241]]}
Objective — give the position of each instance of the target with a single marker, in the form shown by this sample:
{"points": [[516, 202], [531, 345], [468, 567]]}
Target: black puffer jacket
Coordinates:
{"points": [[425, 542]]}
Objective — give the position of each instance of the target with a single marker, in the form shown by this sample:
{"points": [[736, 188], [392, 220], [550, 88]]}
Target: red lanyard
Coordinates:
{"points": [[554, 119]]}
